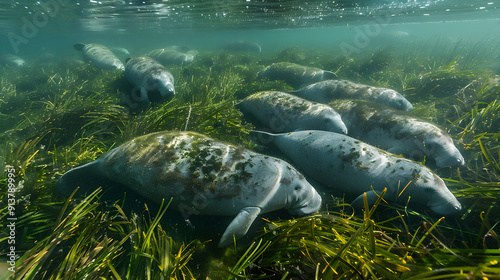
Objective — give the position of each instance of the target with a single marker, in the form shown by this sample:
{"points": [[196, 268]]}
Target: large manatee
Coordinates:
{"points": [[190, 167], [294, 74], [283, 112], [398, 132], [169, 56], [100, 56], [331, 90], [352, 166], [153, 81]]}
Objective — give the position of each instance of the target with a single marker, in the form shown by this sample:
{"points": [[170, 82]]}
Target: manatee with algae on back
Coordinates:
{"points": [[295, 74], [331, 90], [283, 112], [398, 132], [187, 166]]}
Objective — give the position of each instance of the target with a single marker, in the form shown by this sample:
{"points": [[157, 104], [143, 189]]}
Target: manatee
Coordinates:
{"points": [[203, 176], [183, 49], [242, 46], [170, 56], [331, 90], [11, 60], [99, 56], [154, 81], [283, 112], [398, 132], [120, 51], [294, 74], [349, 165]]}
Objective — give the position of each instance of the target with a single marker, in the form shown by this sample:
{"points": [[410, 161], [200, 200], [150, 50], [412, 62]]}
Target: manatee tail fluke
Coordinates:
{"points": [[79, 47], [87, 177]]}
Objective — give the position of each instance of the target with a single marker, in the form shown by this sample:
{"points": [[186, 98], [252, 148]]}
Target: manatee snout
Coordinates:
{"points": [[335, 125], [167, 91], [444, 151], [441, 200], [446, 209], [404, 105], [449, 156], [307, 205], [452, 161], [119, 66], [395, 100], [159, 90]]}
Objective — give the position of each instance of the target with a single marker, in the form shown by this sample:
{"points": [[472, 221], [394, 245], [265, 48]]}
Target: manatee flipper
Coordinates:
{"points": [[144, 98], [88, 177], [371, 198], [239, 226], [79, 47]]}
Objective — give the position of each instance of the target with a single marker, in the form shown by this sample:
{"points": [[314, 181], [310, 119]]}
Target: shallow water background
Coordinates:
{"points": [[31, 28]]}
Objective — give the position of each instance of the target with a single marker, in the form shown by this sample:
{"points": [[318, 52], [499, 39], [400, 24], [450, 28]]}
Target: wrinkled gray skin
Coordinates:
{"points": [[349, 165], [11, 60], [99, 56], [283, 112], [241, 46], [150, 77], [398, 132], [203, 176], [294, 74], [331, 90], [169, 56]]}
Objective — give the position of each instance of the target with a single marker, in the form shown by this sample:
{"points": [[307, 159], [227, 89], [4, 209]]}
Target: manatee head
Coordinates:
{"points": [[301, 197], [167, 90], [393, 99], [444, 152], [432, 191], [335, 124], [190, 57], [118, 65]]}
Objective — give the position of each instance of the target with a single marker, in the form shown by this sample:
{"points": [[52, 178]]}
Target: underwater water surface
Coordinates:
{"points": [[61, 108]]}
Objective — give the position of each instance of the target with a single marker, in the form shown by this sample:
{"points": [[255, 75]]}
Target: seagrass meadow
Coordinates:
{"points": [[61, 114]]}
